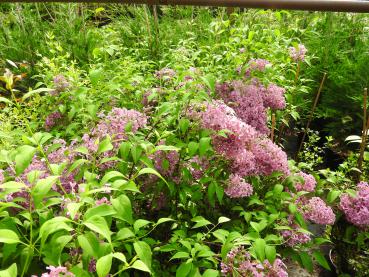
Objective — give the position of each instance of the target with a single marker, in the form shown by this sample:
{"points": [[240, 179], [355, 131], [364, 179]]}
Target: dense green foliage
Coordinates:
{"points": [[108, 164]]}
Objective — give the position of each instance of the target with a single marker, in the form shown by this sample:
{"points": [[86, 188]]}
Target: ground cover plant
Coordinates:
{"points": [[164, 141]]}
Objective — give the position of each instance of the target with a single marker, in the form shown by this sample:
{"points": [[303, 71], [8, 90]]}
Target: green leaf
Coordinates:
{"points": [[166, 148], [184, 123], [259, 247], [103, 265], [5, 100], [120, 256], [140, 265], [210, 273], [124, 233], [149, 170], [105, 146], [332, 195], [184, 269], [223, 219], [101, 210], [180, 255], [270, 253], [192, 148], [143, 251], [35, 91], [11, 271], [321, 259], [99, 225], [124, 149], [163, 220], [204, 145], [110, 175], [23, 158], [306, 261], [89, 244], [73, 208], [41, 189], [53, 225], [8, 236], [123, 207], [139, 224]]}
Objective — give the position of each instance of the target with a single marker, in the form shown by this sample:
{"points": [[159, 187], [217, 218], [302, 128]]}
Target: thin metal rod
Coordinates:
{"points": [[307, 5]]}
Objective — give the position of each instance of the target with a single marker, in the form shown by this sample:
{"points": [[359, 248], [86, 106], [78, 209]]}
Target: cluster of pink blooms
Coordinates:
{"points": [[356, 209], [114, 124], [309, 182], [165, 74], [197, 166], [101, 201], [298, 54], [239, 261], [166, 162], [60, 84], [59, 271], [294, 236], [249, 152], [238, 187], [2, 177], [251, 101], [52, 120], [317, 211]]}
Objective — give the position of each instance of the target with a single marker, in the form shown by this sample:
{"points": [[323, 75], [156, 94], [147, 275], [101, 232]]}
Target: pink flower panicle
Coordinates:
{"points": [[101, 201], [317, 211], [274, 97], [59, 271], [298, 54], [115, 123], [256, 65], [60, 84], [2, 177], [165, 74], [52, 119], [293, 236], [356, 209], [238, 187], [166, 161], [309, 182], [198, 166], [238, 261]]}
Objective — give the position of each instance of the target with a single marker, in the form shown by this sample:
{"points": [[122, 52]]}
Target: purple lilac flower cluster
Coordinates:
{"points": [[166, 161], [197, 166], [251, 101], [356, 209], [239, 261], [317, 211], [238, 187], [52, 119], [256, 65], [165, 74], [308, 184], [59, 271], [298, 53], [249, 152], [2, 177], [60, 84], [294, 236], [115, 123]]}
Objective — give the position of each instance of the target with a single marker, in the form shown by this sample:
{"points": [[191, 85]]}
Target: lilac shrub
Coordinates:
{"points": [[356, 208]]}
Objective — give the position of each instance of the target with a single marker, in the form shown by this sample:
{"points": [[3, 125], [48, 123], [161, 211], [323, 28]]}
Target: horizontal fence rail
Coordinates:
{"points": [[308, 5]]}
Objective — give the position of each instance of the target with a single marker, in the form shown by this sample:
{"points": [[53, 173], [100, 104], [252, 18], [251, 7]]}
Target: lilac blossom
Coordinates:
{"points": [[60, 84], [256, 65], [308, 184], [115, 123], [356, 208], [92, 265], [166, 161], [317, 211], [238, 187], [101, 201], [165, 74], [274, 97], [294, 236], [298, 53], [52, 120], [59, 271], [197, 166], [2, 177]]}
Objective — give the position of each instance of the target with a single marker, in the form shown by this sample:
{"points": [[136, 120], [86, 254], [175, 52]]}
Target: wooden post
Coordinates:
{"points": [[311, 114]]}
